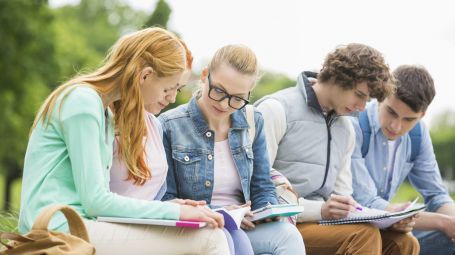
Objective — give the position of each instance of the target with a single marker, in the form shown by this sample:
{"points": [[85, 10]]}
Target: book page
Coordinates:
{"points": [[233, 218]]}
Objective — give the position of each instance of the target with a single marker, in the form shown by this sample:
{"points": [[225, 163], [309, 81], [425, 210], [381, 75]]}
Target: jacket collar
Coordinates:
{"points": [[306, 88], [373, 110], [238, 119]]}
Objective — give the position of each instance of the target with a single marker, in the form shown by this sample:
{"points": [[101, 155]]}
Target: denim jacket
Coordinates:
{"points": [[374, 186], [189, 146]]}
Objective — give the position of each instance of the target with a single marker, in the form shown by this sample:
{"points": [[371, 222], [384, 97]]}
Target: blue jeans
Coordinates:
{"points": [[434, 243], [277, 238], [238, 241]]}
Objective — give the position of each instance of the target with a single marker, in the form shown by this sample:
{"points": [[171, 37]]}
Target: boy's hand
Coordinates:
{"points": [[405, 225], [338, 207]]}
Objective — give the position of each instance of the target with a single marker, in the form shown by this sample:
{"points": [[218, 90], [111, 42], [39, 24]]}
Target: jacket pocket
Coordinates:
{"points": [[187, 164]]}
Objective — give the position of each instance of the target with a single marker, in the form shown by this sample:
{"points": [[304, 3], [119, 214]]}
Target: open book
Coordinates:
{"points": [[381, 219], [232, 218], [271, 211], [172, 223]]}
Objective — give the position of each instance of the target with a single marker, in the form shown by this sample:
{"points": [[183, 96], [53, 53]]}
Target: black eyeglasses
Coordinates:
{"points": [[219, 94]]}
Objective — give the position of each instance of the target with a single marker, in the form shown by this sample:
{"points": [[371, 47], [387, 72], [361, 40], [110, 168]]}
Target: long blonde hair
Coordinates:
{"points": [[150, 47]]}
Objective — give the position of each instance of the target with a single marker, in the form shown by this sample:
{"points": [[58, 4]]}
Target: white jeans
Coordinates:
{"points": [[131, 239]]}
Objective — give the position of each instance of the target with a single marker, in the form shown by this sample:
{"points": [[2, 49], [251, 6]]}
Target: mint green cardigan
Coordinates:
{"points": [[68, 162]]}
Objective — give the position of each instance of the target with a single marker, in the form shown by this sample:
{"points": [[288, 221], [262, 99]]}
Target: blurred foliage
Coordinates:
{"points": [[85, 32], [160, 15], [29, 69], [269, 83], [443, 137], [42, 47]]}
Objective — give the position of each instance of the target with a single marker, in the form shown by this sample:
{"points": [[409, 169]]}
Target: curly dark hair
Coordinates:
{"points": [[415, 86], [354, 63]]}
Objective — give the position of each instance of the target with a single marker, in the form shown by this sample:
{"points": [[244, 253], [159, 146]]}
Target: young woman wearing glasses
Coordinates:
{"points": [[211, 158]]}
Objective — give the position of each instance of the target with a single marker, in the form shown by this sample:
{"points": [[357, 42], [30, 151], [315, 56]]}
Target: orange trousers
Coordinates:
{"points": [[356, 239]]}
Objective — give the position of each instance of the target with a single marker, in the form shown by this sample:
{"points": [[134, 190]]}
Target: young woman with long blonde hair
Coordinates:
{"points": [[70, 150]]}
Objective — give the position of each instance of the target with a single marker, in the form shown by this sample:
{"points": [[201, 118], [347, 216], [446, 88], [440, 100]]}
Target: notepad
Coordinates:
{"points": [[171, 223], [271, 211], [381, 219]]}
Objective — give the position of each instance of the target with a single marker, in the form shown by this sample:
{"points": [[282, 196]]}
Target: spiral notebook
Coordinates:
{"points": [[381, 219]]}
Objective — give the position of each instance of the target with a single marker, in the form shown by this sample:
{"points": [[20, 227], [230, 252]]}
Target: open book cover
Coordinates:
{"points": [[271, 211], [232, 218], [381, 219], [171, 223]]}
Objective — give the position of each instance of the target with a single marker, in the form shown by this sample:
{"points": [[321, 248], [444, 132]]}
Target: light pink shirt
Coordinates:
{"points": [[227, 189], [155, 159]]}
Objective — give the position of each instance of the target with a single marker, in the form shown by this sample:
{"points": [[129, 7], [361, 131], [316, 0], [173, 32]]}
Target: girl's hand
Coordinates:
{"points": [[233, 207], [246, 224], [188, 202], [201, 213]]}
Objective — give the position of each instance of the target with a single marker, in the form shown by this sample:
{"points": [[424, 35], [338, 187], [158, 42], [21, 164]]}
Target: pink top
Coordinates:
{"points": [[227, 189], [155, 159]]}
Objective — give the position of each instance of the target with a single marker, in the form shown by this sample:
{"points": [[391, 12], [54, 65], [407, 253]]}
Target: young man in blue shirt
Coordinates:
{"points": [[310, 141], [392, 143]]}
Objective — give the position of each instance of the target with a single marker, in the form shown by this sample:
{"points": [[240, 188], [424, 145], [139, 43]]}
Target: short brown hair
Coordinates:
{"points": [[415, 86], [354, 63]]}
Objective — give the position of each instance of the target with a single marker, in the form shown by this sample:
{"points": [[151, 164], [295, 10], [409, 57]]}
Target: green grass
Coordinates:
{"points": [[16, 199], [8, 221], [407, 193]]}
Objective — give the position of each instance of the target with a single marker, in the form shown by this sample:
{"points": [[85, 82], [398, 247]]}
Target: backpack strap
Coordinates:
{"points": [[249, 111], [366, 131], [416, 139], [415, 135]]}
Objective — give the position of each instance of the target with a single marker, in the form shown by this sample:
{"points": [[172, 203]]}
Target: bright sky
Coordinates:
{"points": [[290, 36]]}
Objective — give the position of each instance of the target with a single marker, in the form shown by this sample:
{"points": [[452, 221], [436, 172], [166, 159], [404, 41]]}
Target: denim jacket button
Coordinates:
{"points": [[186, 158], [210, 157], [208, 134], [208, 183]]}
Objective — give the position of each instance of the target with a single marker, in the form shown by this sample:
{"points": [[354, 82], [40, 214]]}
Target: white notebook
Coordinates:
{"points": [[171, 223], [381, 219]]}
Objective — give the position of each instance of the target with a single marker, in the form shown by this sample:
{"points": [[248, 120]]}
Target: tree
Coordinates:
{"points": [[41, 48], [28, 70], [160, 15]]}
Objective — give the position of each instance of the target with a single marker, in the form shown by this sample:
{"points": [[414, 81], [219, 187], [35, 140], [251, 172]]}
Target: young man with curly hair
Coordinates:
{"points": [[392, 144], [310, 141]]}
